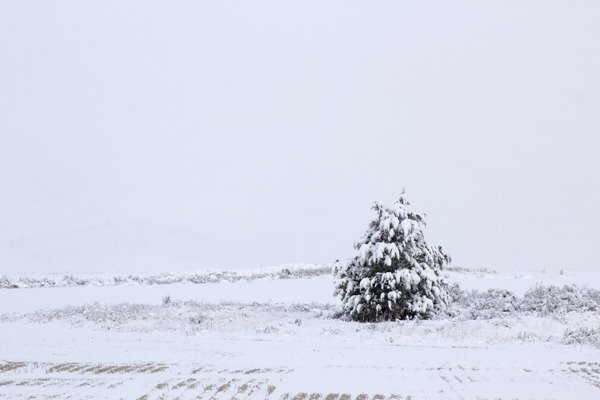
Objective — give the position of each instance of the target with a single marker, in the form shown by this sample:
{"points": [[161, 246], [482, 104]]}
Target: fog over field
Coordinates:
{"points": [[157, 136]]}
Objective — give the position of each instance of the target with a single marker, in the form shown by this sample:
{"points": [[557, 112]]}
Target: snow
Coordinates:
{"points": [[520, 282], [319, 289], [272, 338]]}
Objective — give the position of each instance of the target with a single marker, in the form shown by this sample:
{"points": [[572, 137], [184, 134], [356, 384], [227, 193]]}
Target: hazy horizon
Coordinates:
{"points": [[157, 136]]}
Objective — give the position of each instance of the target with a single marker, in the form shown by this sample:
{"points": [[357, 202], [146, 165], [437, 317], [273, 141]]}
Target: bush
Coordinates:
{"points": [[396, 274], [553, 299], [540, 300], [493, 303], [582, 335]]}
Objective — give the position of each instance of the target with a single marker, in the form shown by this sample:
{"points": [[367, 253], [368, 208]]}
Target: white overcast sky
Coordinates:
{"points": [[171, 135]]}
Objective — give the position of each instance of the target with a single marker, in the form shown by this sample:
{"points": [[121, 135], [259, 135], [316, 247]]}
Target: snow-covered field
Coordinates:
{"points": [[274, 334]]}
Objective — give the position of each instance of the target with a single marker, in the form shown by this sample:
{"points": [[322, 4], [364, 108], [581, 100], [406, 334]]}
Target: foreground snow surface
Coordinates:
{"points": [[277, 338]]}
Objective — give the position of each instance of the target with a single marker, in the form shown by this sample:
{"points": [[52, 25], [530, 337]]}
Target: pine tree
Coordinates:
{"points": [[396, 274]]}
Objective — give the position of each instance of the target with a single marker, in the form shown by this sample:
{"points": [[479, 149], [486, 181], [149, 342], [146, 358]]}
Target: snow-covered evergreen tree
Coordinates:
{"points": [[396, 274]]}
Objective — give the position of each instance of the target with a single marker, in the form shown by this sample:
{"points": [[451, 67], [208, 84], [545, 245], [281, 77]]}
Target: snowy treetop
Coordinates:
{"points": [[397, 235]]}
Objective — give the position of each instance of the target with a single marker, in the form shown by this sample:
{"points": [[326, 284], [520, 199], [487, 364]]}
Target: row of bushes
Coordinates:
{"points": [[540, 300], [291, 272]]}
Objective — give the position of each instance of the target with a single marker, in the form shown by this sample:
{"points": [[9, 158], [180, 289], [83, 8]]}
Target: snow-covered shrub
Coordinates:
{"points": [[492, 303], [197, 319], [455, 293], [7, 283], [553, 299], [582, 335], [71, 280], [396, 274], [540, 300]]}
